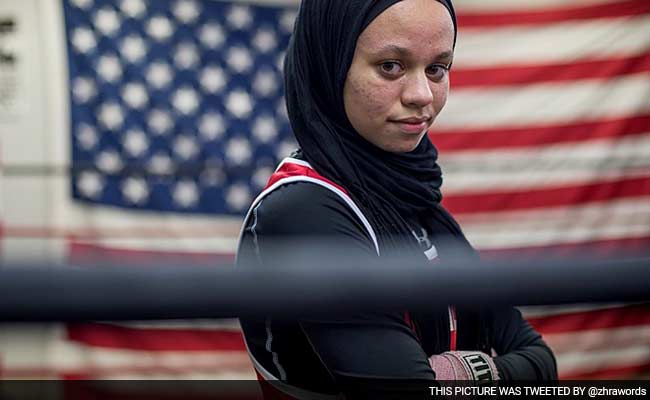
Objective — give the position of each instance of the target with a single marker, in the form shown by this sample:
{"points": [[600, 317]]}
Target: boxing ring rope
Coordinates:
{"points": [[309, 282]]}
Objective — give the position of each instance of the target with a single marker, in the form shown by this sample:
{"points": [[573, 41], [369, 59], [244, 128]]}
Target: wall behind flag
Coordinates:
{"points": [[140, 129], [25, 118]]}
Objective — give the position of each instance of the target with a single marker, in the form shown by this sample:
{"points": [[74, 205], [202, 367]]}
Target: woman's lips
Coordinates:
{"points": [[412, 127]]}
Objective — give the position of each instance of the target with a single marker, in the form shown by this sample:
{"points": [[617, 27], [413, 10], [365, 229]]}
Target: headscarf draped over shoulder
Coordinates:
{"points": [[389, 187]]}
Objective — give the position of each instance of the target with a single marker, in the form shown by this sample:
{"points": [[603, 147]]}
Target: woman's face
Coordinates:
{"points": [[398, 81]]}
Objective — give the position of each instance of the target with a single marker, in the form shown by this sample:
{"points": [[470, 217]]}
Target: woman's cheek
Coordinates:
{"points": [[379, 100], [440, 93], [370, 98]]}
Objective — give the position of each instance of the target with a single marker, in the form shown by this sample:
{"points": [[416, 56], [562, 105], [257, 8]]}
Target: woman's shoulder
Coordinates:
{"points": [[302, 202], [306, 208]]}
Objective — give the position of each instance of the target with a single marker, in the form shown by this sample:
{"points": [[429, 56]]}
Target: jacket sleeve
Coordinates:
{"points": [[521, 352]]}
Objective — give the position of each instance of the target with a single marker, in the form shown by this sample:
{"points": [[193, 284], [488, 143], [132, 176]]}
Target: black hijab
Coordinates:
{"points": [[390, 188]]}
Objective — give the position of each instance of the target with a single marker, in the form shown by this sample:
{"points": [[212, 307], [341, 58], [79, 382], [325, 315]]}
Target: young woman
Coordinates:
{"points": [[364, 80]]}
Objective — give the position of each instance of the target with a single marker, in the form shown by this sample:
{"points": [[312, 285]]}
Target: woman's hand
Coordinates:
{"points": [[464, 365]]}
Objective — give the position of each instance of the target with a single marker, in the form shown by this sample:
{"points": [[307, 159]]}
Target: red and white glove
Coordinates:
{"points": [[464, 365]]}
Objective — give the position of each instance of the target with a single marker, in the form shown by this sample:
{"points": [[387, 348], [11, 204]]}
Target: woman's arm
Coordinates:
{"points": [[360, 351], [369, 346], [521, 352]]}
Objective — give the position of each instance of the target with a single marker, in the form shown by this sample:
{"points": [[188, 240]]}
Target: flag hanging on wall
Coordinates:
{"points": [[177, 119]]}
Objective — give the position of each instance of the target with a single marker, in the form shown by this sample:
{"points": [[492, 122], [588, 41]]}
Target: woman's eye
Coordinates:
{"points": [[391, 68], [437, 71]]}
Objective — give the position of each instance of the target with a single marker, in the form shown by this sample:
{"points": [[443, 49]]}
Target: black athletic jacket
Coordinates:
{"points": [[335, 355]]}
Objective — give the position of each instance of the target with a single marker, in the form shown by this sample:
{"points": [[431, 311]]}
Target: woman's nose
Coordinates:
{"points": [[417, 91]]}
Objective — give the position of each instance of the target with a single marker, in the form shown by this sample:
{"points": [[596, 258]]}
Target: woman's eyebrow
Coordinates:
{"points": [[393, 49], [445, 55], [404, 52]]}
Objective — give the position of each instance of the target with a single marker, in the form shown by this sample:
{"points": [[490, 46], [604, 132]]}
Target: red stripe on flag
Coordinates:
{"points": [[154, 339], [620, 248], [548, 197], [633, 315], [222, 364], [72, 388], [508, 137], [132, 232], [87, 254], [553, 15], [639, 371], [539, 73]]}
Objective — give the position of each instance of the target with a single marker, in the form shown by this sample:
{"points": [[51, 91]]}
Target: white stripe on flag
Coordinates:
{"points": [[25, 357], [528, 233], [558, 42], [599, 339], [579, 362], [466, 180], [546, 104], [558, 217], [599, 149], [182, 243], [552, 165]]}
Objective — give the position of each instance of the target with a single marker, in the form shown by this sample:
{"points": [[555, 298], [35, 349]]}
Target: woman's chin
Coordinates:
{"points": [[405, 145]]}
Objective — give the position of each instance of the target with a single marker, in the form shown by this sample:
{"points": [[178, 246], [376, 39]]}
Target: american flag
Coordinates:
{"points": [[176, 105], [177, 119]]}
